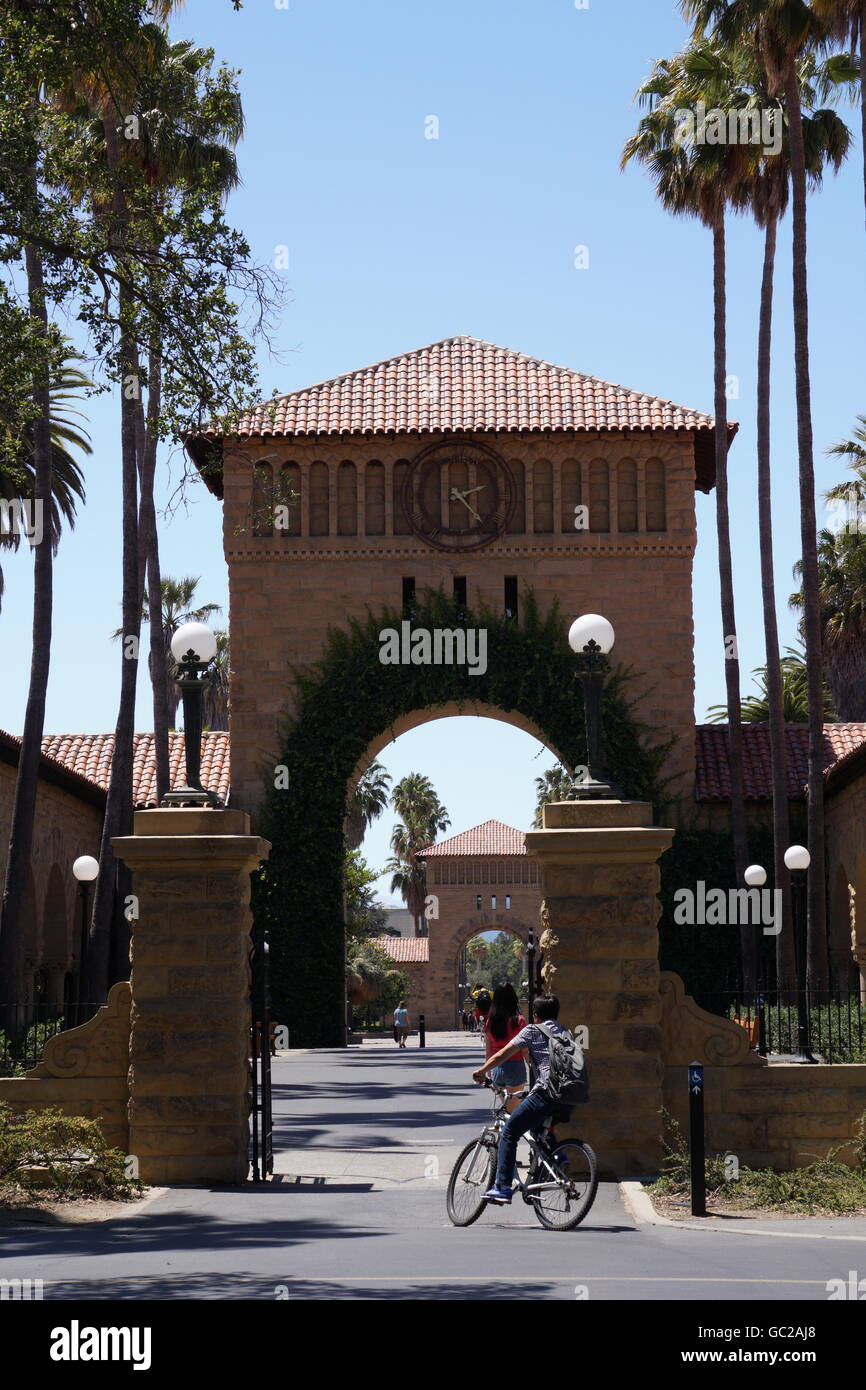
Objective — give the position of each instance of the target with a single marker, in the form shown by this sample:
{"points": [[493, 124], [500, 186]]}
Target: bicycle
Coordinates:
{"points": [[559, 1183]]}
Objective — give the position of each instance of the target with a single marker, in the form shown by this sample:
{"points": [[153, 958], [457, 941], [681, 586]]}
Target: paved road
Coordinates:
{"points": [[365, 1139]]}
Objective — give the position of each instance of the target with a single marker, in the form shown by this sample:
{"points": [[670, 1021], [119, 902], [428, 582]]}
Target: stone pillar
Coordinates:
{"points": [[600, 943], [190, 1039]]}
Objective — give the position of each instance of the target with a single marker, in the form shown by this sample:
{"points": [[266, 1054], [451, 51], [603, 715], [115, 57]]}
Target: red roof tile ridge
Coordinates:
{"points": [[416, 352]]}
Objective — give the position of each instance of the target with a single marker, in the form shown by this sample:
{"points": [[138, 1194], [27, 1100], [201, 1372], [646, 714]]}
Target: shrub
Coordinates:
{"points": [[823, 1186], [63, 1154]]}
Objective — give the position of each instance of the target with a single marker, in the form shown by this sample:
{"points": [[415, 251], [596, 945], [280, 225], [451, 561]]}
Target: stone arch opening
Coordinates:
{"points": [[414, 719], [465, 971], [347, 708]]}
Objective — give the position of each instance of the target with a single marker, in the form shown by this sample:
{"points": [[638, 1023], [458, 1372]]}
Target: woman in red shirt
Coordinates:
{"points": [[503, 1023]]}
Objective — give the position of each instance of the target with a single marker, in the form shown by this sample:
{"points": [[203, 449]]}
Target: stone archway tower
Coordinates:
{"points": [[471, 467], [483, 881]]}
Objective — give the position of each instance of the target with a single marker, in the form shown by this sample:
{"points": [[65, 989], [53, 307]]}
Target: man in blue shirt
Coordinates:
{"points": [[401, 1024], [539, 1104]]}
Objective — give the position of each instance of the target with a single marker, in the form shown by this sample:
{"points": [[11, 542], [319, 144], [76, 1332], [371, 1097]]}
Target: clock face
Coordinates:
{"points": [[459, 496]]}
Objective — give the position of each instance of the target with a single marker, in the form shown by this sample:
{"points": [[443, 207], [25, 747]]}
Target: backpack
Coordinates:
{"points": [[568, 1082]]}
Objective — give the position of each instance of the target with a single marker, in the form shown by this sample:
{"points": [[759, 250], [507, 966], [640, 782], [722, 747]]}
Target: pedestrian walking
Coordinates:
{"points": [[401, 1024]]}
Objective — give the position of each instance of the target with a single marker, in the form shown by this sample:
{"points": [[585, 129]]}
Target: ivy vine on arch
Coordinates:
{"points": [[347, 701]]}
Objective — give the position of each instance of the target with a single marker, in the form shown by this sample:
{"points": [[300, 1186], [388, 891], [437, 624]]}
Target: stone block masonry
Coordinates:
{"points": [[600, 945], [286, 590], [189, 1044]]}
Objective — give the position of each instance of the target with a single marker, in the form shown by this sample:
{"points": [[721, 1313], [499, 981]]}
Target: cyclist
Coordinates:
{"points": [[539, 1106], [482, 1009]]}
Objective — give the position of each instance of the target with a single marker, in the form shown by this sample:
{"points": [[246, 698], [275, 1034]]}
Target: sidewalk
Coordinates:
{"points": [[640, 1205]]}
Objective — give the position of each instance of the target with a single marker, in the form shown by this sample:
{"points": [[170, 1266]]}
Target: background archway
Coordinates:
{"points": [[517, 930], [351, 704]]}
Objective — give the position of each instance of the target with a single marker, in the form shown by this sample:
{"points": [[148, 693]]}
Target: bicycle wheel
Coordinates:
{"points": [[471, 1176], [562, 1207]]}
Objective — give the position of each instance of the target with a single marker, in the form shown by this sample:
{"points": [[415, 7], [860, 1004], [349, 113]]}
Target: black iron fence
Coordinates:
{"points": [[262, 1046], [26, 1028], [834, 1021]]}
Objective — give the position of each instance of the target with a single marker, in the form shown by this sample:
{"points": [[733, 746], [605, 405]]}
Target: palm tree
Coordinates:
{"points": [[215, 696], [422, 818], [409, 879], [783, 33], [852, 493], [554, 785], [847, 21], [182, 136], [67, 480], [183, 131], [176, 608], [54, 480], [793, 681], [842, 587], [766, 195], [367, 802], [697, 178]]}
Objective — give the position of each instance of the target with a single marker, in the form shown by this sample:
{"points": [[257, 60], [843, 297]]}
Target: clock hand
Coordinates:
{"points": [[458, 496]]}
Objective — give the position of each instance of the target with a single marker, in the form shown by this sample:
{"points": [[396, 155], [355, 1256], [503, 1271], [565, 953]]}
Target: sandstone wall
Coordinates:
{"points": [[845, 812], [66, 827], [84, 1071], [286, 589]]}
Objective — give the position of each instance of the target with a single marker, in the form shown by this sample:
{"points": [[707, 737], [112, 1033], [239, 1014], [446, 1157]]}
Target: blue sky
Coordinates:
{"points": [[396, 240]]}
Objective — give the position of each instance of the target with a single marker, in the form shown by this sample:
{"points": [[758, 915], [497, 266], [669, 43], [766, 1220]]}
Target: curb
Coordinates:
{"points": [[639, 1204]]}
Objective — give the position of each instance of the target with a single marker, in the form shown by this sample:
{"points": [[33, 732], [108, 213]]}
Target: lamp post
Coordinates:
{"points": [[85, 870], [193, 647], [756, 876], [797, 860], [591, 638]]}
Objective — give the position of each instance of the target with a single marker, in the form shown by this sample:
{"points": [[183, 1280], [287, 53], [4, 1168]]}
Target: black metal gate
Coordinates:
{"points": [[262, 1155]]}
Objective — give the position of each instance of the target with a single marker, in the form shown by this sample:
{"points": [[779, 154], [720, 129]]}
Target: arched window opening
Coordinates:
{"points": [[263, 500], [347, 500], [599, 496], [626, 495], [319, 499], [543, 499], [656, 501], [374, 504]]}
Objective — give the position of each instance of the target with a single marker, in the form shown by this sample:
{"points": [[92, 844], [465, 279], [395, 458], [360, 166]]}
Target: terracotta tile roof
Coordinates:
{"points": [[490, 838], [405, 948], [54, 771], [464, 384], [89, 755], [712, 777]]}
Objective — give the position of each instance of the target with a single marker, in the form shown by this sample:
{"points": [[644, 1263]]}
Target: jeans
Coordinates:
{"points": [[530, 1114]]}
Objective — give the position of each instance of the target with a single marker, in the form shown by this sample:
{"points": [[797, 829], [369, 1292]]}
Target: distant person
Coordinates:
{"points": [[483, 1002], [401, 1024], [503, 1023]]}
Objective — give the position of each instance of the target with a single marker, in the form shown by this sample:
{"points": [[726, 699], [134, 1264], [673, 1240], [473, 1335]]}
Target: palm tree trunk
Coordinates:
{"points": [[817, 930], [748, 952], [149, 562], [12, 914], [785, 965], [107, 920], [863, 90]]}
